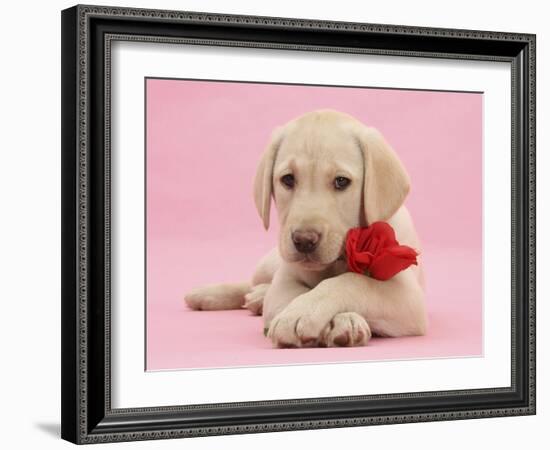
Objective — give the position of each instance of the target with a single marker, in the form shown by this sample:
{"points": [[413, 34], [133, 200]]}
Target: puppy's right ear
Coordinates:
{"points": [[263, 183]]}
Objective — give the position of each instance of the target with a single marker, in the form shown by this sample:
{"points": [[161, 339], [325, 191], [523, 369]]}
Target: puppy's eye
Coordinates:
{"points": [[288, 181], [341, 183]]}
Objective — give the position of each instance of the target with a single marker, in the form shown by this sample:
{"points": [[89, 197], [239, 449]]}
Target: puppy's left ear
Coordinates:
{"points": [[263, 182], [386, 182]]}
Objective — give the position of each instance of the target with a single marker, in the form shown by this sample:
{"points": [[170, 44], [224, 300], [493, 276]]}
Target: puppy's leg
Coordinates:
{"points": [[218, 296], [254, 300], [390, 308], [266, 268], [261, 280], [282, 291], [237, 295]]}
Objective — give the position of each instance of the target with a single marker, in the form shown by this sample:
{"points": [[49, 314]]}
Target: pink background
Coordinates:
{"points": [[204, 140]]}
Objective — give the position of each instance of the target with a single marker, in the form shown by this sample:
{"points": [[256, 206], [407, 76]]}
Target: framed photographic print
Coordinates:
{"points": [[282, 224]]}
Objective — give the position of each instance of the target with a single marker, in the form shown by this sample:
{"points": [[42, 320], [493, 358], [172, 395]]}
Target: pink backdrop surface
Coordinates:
{"points": [[204, 140]]}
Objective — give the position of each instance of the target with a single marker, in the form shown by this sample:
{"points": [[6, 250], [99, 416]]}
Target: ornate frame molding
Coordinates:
{"points": [[85, 421]]}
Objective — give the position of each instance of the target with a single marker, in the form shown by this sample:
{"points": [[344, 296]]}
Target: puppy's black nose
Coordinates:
{"points": [[305, 241]]}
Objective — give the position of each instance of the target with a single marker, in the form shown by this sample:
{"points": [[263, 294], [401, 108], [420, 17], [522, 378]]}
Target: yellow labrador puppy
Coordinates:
{"points": [[327, 173]]}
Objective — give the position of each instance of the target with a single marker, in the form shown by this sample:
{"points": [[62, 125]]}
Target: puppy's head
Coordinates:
{"points": [[327, 173]]}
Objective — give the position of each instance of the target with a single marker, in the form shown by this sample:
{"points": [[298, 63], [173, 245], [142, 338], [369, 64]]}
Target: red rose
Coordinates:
{"points": [[374, 251]]}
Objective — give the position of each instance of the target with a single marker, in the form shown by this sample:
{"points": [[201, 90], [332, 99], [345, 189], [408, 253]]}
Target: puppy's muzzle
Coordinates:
{"points": [[305, 241]]}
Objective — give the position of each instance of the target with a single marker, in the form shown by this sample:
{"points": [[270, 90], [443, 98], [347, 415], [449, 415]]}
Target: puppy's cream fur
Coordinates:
{"points": [[310, 299]]}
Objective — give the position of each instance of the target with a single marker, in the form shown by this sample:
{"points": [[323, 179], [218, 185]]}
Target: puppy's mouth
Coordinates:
{"points": [[310, 262]]}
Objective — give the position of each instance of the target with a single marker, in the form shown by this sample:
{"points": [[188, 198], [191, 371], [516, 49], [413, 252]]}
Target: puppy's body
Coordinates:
{"points": [[327, 173]]}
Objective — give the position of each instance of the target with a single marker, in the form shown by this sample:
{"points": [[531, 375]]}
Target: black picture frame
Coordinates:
{"points": [[87, 416]]}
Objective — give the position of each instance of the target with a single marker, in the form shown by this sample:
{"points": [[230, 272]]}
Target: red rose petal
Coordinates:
{"points": [[391, 261], [375, 250]]}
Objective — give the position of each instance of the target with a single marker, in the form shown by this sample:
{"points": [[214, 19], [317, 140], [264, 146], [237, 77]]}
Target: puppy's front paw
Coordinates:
{"points": [[296, 327], [347, 329], [254, 300]]}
